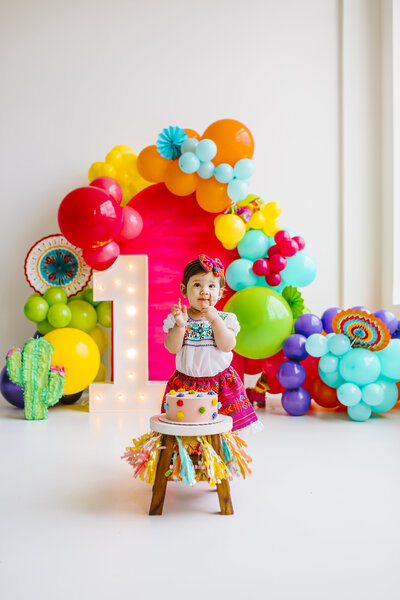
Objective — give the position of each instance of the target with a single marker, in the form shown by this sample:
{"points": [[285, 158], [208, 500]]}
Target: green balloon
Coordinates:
{"points": [[44, 327], [59, 315], [265, 321], [55, 295], [88, 296], [36, 308], [83, 315], [104, 313]]}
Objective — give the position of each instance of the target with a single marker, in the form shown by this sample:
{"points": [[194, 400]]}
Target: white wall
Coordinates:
{"points": [[80, 77]]}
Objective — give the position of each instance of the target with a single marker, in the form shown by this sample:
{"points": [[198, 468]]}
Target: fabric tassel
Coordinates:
{"points": [[214, 465], [187, 472], [239, 463], [226, 451], [143, 456]]}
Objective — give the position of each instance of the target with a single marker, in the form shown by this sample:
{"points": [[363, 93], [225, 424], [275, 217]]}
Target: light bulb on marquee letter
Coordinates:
{"points": [[131, 389]]}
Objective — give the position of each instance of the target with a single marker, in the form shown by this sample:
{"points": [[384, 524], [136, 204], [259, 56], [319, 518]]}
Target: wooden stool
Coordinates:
{"points": [[169, 431]]}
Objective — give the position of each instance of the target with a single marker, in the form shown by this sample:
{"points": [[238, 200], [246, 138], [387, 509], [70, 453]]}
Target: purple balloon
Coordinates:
{"points": [[70, 398], [363, 308], [294, 347], [396, 334], [296, 402], [308, 324], [388, 318], [327, 318], [13, 393], [291, 375]]}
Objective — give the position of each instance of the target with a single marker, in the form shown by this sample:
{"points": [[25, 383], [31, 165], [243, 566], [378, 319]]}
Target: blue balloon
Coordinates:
{"points": [[206, 150], [360, 366], [390, 395], [206, 170], [317, 345], [244, 168], [339, 344], [329, 363], [390, 360], [188, 162], [300, 270], [189, 145], [360, 412], [349, 394], [237, 190], [240, 275], [372, 394], [332, 379], [223, 173], [254, 244]]}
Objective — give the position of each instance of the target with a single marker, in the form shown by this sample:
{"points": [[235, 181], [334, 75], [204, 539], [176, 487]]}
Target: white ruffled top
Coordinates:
{"points": [[199, 355]]}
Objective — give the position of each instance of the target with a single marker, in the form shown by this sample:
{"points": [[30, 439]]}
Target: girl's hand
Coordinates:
{"points": [[210, 313], [179, 313]]}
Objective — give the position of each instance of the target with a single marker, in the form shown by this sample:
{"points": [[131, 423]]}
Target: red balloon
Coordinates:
{"points": [[110, 186], [252, 366], [103, 257], [274, 386], [324, 395], [88, 217], [132, 224], [271, 364], [311, 366]]}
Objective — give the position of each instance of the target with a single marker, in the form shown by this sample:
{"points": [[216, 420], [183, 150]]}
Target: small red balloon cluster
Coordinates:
{"points": [[91, 218], [271, 267]]}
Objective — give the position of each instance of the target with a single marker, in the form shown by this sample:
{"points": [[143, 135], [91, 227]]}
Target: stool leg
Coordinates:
{"points": [[160, 482], [223, 489]]}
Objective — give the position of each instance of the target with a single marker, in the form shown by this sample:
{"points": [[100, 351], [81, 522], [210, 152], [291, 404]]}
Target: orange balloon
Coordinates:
{"points": [[191, 133], [323, 394], [212, 196], [234, 141], [178, 182], [151, 165]]}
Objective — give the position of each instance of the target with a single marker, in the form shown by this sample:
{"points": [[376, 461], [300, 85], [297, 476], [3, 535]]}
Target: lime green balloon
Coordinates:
{"points": [[88, 296], [55, 295], [104, 313], [59, 315], [265, 321], [83, 315], [36, 308], [44, 327]]}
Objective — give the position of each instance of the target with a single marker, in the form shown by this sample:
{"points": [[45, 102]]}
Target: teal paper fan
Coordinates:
{"points": [[169, 142]]}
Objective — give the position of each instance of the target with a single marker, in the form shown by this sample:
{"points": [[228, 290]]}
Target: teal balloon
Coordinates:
{"points": [[349, 394], [372, 394], [244, 168], [390, 360], [237, 190], [223, 173], [317, 345], [360, 412], [339, 344], [329, 363], [206, 170], [240, 275], [265, 321], [189, 162], [254, 244], [360, 366], [300, 270], [332, 379], [390, 395]]}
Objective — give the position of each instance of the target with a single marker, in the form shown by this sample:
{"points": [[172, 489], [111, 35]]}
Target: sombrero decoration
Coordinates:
{"points": [[364, 330], [53, 261]]}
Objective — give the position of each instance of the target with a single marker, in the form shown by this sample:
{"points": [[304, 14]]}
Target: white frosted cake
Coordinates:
{"points": [[191, 406]]}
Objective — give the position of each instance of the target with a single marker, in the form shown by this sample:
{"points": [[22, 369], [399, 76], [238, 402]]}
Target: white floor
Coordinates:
{"points": [[319, 517]]}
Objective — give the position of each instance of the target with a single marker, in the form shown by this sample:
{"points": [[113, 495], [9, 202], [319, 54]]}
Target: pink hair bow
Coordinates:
{"points": [[211, 264]]}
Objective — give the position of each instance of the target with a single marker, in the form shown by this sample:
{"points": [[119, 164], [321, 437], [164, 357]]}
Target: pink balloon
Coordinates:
{"points": [[110, 186], [103, 257], [132, 224]]}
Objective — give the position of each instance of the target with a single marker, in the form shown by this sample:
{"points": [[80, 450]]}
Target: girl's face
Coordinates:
{"points": [[202, 290]]}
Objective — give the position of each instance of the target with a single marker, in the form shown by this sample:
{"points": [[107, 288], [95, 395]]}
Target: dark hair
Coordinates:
{"points": [[195, 267]]}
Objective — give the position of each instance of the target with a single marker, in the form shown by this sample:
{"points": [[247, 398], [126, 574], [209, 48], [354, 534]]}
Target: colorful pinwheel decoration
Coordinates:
{"points": [[364, 330]]}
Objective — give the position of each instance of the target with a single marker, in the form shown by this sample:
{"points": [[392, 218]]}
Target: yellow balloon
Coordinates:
{"points": [[257, 220], [108, 171], [217, 218], [78, 353], [272, 210], [271, 228], [124, 149], [100, 336], [101, 374], [229, 246], [230, 229], [114, 158], [95, 170]]}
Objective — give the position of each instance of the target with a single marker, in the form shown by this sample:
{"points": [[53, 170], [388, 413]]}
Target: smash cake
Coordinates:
{"points": [[191, 407]]}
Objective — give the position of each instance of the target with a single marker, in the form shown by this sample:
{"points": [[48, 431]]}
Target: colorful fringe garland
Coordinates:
{"points": [[208, 466]]}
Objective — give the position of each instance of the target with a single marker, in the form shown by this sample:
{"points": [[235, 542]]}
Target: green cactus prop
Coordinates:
{"points": [[31, 368]]}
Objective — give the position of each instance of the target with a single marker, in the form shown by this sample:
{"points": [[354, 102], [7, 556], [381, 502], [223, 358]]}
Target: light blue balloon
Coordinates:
{"points": [[360, 366], [223, 173], [389, 358], [390, 395], [317, 345], [372, 394], [254, 244], [339, 344], [329, 363], [349, 394], [300, 270], [239, 274], [189, 145], [188, 162], [206, 170], [360, 412], [237, 190], [244, 168], [206, 150], [332, 379]]}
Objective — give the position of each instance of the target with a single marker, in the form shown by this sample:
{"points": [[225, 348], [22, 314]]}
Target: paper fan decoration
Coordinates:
{"points": [[169, 142], [53, 261], [364, 330], [295, 300]]}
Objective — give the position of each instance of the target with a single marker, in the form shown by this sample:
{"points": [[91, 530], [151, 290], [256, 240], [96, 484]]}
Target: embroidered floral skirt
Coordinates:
{"points": [[230, 390]]}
